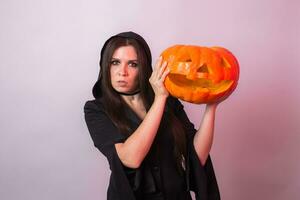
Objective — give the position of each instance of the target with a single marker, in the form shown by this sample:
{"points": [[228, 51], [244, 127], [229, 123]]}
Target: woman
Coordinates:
{"points": [[152, 148]]}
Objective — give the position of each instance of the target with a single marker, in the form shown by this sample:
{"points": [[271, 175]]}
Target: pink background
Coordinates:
{"points": [[49, 62]]}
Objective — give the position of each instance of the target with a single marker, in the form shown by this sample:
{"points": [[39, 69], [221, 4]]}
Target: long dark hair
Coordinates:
{"points": [[114, 104]]}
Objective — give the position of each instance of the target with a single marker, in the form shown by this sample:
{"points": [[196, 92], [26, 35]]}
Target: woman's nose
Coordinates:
{"points": [[123, 70]]}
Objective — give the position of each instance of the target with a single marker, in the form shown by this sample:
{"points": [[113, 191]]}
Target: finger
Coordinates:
{"points": [[157, 65], [162, 69], [165, 73]]}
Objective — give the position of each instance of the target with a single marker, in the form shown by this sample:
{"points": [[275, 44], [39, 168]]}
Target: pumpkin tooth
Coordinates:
{"points": [[202, 75]]}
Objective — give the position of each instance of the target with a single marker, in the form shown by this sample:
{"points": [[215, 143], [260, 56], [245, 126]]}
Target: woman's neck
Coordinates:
{"points": [[132, 99], [135, 102]]}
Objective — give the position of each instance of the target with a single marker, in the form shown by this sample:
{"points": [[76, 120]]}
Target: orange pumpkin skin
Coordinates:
{"points": [[200, 74]]}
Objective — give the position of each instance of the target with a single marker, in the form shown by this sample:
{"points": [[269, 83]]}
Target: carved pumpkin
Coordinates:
{"points": [[200, 74]]}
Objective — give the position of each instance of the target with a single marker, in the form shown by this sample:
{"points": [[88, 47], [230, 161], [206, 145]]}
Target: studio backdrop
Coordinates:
{"points": [[49, 56]]}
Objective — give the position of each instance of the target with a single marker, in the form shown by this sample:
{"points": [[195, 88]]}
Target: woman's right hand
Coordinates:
{"points": [[157, 78]]}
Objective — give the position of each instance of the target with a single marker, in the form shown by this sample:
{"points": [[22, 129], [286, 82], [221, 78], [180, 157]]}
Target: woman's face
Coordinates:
{"points": [[124, 68]]}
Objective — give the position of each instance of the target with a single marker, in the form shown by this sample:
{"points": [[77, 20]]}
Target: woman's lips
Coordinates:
{"points": [[122, 83]]}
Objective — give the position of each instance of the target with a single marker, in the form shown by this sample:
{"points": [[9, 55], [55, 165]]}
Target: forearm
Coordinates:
{"points": [[133, 151], [204, 137]]}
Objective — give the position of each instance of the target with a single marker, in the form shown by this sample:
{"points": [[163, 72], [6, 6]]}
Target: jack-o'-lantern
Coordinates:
{"points": [[200, 74]]}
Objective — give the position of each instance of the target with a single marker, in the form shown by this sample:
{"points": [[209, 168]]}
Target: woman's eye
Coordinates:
{"points": [[133, 64], [114, 62]]}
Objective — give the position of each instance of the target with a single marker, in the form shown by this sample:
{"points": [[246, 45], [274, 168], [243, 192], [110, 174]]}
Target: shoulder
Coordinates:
{"points": [[95, 110], [93, 105]]}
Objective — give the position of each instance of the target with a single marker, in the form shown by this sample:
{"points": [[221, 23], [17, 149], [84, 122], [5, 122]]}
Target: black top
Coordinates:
{"points": [[158, 177]]}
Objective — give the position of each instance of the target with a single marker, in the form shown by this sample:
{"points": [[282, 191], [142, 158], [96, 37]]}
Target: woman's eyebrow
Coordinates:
{"points": [[135, 60], [128, 60], [132, 60]]}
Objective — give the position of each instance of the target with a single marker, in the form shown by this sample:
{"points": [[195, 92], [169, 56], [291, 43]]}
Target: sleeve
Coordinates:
{"points": [[200, 179], [104, 135], [103, 132]]}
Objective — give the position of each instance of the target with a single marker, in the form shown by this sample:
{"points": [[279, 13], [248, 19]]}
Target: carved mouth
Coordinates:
{"points": [[200, 84]]}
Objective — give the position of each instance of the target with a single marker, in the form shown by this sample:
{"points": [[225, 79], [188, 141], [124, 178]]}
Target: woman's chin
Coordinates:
{"points": [[122, 90]]}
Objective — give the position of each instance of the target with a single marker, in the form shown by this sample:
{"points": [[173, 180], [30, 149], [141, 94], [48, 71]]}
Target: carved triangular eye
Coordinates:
{"points": [[225, 63], [203, 69], [188, 60]]}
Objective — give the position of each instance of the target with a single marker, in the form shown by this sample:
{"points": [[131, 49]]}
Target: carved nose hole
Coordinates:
{"points": [[203, 69], [185, 58]]}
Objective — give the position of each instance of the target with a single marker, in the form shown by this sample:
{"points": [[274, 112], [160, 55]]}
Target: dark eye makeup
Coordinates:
{"points": [[114, 62], [131, 63]]}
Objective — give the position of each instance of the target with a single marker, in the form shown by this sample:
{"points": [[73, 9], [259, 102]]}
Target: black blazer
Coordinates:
{"points": [[200, 179]]}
